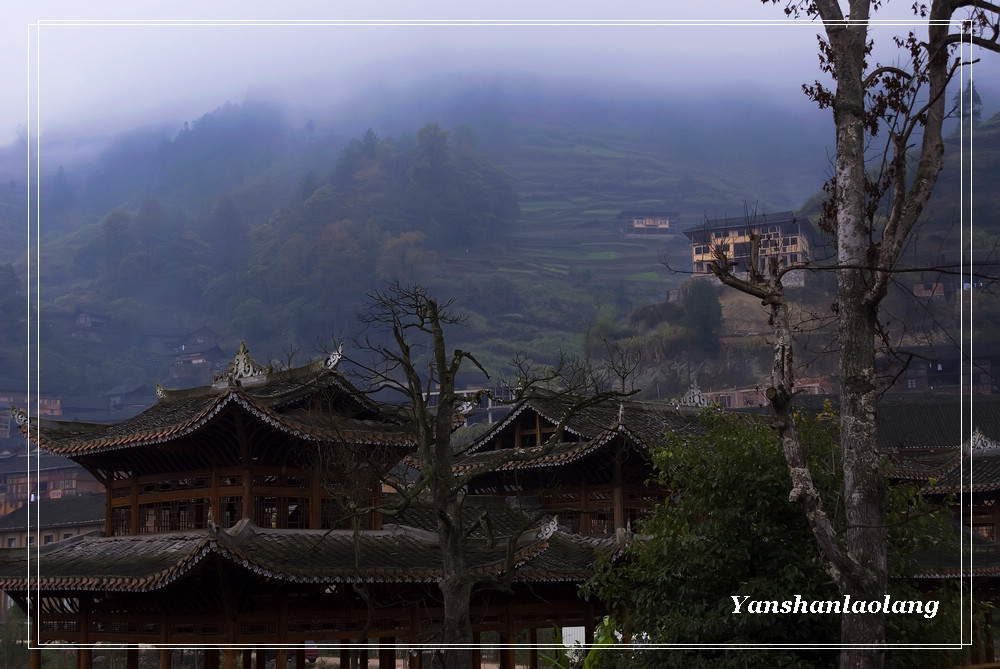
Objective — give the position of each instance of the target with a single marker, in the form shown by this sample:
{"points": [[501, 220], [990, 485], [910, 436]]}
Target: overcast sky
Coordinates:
{"points": [[110, 65]]}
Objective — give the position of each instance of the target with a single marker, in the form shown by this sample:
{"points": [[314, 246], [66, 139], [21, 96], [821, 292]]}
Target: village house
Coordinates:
{"points": [[644, 223], [783, 235]]}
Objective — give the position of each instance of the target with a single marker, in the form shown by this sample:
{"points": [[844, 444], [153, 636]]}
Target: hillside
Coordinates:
{"points": [[271, 231]]}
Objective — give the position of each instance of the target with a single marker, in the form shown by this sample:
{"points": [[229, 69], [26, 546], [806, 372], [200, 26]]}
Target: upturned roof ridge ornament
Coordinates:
{"points": [[241, 367], [549, 528], [334, 359], [19, 415]]}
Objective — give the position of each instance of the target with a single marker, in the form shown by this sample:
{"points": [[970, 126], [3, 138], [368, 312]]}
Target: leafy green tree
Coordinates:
{"points": [[730, 530], [14, 650], [702, 314]]}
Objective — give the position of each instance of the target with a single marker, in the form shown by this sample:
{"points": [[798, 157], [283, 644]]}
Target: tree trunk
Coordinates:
{"points": [[864, 486], [456, 591]]}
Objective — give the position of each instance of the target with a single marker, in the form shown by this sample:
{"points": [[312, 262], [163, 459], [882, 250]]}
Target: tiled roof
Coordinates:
{"points": [[65, 511], [937, 421], [952, 472], [979, 557], [266, 397], [645, 421], [396, 553], [539, 456]]}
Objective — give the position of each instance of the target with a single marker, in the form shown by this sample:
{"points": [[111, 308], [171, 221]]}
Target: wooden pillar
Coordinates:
{"points": [[386, 653], [85, 658], [133, 520], [35, 658], [507, 640], [345, 654], [300, 658], [165, 658], [131, 658], [247, 658], [477, 653], [261, 658], [415, 637], [211, 656], [616, 496], [588, 627], [281, 658], [533, 650], [229, 658]]}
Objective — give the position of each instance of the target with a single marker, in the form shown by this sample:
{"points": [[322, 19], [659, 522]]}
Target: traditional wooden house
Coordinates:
{"points": [[784, 235], [586, 462], [644, 223], [242, 516]]}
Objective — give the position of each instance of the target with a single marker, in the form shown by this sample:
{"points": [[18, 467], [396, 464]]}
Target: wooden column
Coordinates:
{"points": [[300, 658], [585, 505], [229, 658], [281, 658], [165, 658], [415, 637], [85, 658], [386, 653], [345, 654], [588, 627], [616, 495], [261, 658], [211, 656], [533, 651], [477, 654], [507, 640], [35, 658], [133, 521], [131, 658], [315, 501], [247, 658]]}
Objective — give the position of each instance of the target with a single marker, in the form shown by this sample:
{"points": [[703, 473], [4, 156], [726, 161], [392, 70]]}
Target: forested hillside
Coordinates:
{"points": [[272, 231]]}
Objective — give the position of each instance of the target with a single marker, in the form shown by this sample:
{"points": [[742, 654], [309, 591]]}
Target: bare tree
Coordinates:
{"points": [[872, 210], [416, 323]]}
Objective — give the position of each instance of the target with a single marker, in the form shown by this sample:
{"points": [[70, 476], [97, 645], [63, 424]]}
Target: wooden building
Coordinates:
{"points": [[788, 237], [240, 516], [644, 223]]}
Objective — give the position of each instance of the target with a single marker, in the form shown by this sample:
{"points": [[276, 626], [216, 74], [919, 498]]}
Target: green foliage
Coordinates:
{"points": [[702, 313], [14, 647], [730, 530]]}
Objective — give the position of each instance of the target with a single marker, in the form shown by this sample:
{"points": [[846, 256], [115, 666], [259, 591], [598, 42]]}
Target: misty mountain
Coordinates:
{"points": [[270, 225]]}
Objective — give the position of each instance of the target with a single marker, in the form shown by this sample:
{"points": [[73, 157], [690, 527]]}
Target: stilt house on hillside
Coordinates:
{"points": [[790, 238], [243, 516]]}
